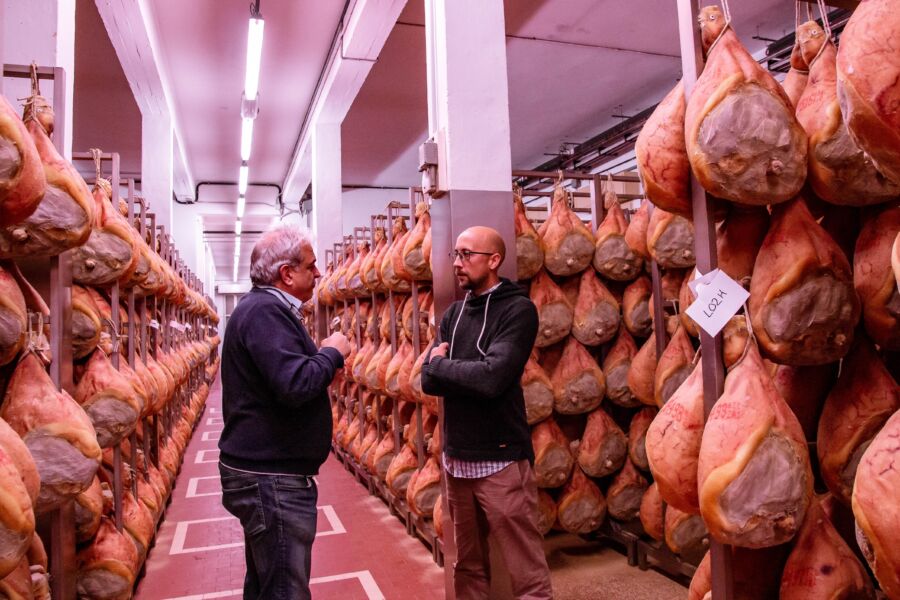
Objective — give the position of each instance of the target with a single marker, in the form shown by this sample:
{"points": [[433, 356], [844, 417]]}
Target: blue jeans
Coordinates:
{"points": [[278, 515]]}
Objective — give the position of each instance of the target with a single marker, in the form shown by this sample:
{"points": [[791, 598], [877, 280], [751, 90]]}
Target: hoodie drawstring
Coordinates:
{"points": [[487, 305]]}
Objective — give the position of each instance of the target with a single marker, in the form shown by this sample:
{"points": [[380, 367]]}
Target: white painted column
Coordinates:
{"points": [[327, 196], [42, 31], [468, 96], [157, 153]]}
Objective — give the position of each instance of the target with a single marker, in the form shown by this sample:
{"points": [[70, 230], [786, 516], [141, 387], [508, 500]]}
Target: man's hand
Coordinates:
{"points": [[441, 350], [339, 342]]}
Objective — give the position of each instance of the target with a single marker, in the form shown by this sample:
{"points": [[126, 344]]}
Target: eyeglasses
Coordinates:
{"points": [[466, 255]]}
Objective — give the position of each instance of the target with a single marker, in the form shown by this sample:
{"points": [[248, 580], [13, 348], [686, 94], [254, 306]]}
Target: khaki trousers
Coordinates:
{"points": [[503, 506]]}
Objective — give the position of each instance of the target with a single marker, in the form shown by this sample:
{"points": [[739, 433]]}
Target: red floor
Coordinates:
{"points": [[361, 551]]}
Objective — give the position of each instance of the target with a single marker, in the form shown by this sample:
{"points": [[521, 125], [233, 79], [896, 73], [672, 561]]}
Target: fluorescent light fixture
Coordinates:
{"points": [[241, 205], [254, 58], [246, 138], [238, 227], [243, 175]]}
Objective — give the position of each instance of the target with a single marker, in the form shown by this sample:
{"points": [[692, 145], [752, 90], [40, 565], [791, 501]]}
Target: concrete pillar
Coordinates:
{"points": [[157, 155], [42, 31], [327, 193]]}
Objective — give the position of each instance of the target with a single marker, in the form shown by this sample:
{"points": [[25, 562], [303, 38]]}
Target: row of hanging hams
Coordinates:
{"points": [[46, 208]]}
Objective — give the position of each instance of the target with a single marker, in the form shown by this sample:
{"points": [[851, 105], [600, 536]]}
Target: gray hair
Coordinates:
{"points": [[281, 245]]}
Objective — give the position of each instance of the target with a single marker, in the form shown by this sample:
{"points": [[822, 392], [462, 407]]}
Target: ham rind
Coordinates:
{"points": [[613, 257], [662, 155], [868, 66], [555, 313], [416, 252], [743, 141], [616, 366], [553, 459], [878, 518], [596, 317], [537, 391], [604, 447], [874, 280], [797, 77], [651, 513], [529, 253], [578, 382], [670, 240], [858, 406], [754, 476], [581, 508], [22, 179], [840, 171], [802, 302], [568, 244]]}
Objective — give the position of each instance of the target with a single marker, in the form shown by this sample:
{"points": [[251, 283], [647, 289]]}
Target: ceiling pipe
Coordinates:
{"points": [[234, 183]]}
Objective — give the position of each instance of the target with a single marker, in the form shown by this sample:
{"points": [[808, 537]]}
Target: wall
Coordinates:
{"points": [[361, 204]]}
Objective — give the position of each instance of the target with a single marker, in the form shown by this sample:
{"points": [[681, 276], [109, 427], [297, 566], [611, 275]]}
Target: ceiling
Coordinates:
{"points": [[575, 69]]}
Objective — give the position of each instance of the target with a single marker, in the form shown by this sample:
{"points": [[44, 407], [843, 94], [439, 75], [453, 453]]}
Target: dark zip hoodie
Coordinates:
{"points": [[490, 337]]}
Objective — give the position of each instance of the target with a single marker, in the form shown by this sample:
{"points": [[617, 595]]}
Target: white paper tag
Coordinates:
{"points": [[154, 324], [719, 297]]}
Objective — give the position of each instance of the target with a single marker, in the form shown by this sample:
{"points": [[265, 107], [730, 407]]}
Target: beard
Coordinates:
{"points": [[468, 283]]}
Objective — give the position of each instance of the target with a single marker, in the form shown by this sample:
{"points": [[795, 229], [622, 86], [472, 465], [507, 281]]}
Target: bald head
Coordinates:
{"points": [[482, 239]]}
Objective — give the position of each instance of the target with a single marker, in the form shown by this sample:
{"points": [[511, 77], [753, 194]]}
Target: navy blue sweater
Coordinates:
{"points": [[274, 382], [491, 337]]}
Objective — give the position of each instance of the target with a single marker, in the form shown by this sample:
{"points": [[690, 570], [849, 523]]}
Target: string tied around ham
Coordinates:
{"points": [[36, 342], [36, 106], [726, 10]]}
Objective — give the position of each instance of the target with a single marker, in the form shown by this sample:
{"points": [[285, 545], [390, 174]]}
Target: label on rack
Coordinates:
{"points": [[177, 326], [719, 297], [154, 324]]}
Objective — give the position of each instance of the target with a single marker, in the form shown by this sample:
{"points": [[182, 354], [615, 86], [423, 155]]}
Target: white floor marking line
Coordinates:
{"points": [[208, 436], [373, 592], [215, 421], [201, 456], [193, 483], [213, 410], [181, 531]]}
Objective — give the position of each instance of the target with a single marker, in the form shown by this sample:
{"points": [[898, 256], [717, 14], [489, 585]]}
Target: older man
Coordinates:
{"points": [[277, 417], [490, 487]]}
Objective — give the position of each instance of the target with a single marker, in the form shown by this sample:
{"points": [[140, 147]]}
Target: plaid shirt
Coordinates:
{"points": [[467, 469]]}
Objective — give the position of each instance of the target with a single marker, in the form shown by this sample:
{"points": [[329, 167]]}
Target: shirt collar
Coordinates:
{"points": [[294, 304], [493, 289]]}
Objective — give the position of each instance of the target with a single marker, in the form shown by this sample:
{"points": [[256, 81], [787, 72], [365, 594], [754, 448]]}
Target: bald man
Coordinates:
{"points": [[490, 489]]}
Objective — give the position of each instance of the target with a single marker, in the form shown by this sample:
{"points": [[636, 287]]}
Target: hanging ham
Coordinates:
{"points": [[15, 449], [662, 155], [16, 517], [895, 259], [568, 244], [111, 251], [417, 250], [401, 470], [878, 520], [673, 444], [529, 253], [642, 374], [13, 317], [743, 141], [56, 430], [108, 567], [424, 488], [636, 234], [674, 366], [636, 308], [596, 316], [613, 257], [839, 171], [863, 399], [874, 280], [355, 285], [62, 219], [637, 437], [604, 447], [797, 77], [738, 240], [108, 399], [651, 513], [547, 512], [86, 326], [552, 458], [537, 391], [754, 474], [686, 534], [578, 383], [821, 565], [756, 574], [555, 313], [581, 508], [625, 493], [369, 270], [22, 179], [88, 510], [670, 240], [802, 303], [392, 279], [867, 70], [616, 366]]}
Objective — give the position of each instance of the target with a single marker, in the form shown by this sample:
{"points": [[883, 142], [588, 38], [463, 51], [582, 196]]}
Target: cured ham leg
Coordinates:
{"points": [[547, 512], [424, 488], [111, 251], [798, 75], [637, 437], [616, 366], [686, 534], [581, 508], [555, 314], [743, 141], [636, 308], [863, 399], [596, 317], [674, 366], [662, 155], [636, 234], [16, 517], [754, 475], [578, 383], [652, 511], [625, 493], [108, 567], [613, 257], [401, 470], [537, 390], [22, 179], [641, 375], [56, 430], [417, 250], [13, 317], [670, 240], [604, 448], [529, 253], [867, 72], [802, 303], [874, 280], [568, 244], [553, 460], [109, 400]]}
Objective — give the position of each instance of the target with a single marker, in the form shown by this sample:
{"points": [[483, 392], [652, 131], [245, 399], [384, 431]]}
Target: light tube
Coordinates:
{"points": [[238, 227], [243, 175], [246, 138], [254, 58], [241, 204]]}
